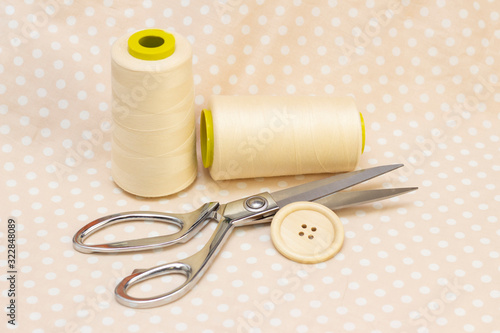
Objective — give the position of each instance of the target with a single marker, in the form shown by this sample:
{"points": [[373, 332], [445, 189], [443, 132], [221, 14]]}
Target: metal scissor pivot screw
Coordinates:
{"points": [[255, 203]]}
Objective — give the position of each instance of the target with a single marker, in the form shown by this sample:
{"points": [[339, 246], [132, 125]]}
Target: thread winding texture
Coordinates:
{"points": [[265, 136], [153, 138]]}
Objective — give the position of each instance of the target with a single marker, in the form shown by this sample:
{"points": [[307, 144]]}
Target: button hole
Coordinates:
{"points": [[301, 233], [304, 226], [313, 228], [310, 237]]}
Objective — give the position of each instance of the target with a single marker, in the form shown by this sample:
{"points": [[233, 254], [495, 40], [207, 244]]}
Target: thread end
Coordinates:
{"points": [[151, 44], [207, 137]]}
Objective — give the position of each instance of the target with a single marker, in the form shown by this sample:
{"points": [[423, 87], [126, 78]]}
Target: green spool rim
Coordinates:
{"points": [[207, 137], [362, 133], [151, 44]]}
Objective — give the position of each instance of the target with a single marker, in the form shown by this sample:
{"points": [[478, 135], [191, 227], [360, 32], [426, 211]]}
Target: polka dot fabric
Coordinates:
{"points": [[425, 75]]}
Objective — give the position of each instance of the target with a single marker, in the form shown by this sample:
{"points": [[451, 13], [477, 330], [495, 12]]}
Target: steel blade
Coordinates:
{"points": [[346, 199], [323, 187], [341, 200]]}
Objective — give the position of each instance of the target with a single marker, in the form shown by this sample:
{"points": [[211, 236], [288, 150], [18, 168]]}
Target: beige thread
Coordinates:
{"points": [[265, 136], [153, 150]]}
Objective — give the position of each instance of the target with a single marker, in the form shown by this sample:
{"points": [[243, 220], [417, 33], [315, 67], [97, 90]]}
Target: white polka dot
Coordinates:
{"points": [[35, 316], [349, 326]]}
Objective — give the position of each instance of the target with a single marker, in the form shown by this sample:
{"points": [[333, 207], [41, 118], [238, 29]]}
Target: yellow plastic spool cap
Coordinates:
{"points": [[207, 137], [362, 132], [151, 44]]}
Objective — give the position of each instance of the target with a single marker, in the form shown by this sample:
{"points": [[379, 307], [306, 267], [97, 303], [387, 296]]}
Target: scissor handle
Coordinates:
{"points": [[189, 224], [233, 214], [192, 268]]}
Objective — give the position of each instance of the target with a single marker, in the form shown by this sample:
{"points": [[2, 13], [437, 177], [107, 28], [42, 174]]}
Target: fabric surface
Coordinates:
{"points": [[425, 75]]}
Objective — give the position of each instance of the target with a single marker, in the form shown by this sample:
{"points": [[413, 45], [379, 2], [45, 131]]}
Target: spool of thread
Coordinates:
{"points": [[153, 147], [265, 136]]}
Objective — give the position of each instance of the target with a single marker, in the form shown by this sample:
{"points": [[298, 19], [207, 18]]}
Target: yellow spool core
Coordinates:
{"points": [[151, 44], [207, 138]]}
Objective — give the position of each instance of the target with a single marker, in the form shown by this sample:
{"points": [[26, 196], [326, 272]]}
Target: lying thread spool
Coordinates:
{"points": [[153, 149], [264, 136]]}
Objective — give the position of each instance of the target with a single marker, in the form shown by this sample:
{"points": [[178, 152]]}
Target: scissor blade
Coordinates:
{"points": [[320, 188], [341, 200], [346, 199]]}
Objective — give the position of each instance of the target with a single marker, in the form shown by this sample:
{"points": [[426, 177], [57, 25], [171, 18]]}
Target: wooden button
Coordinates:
{"points": [[307, 232]]}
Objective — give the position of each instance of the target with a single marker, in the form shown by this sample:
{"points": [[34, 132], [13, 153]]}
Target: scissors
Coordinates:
{"points": [[250, 210]]}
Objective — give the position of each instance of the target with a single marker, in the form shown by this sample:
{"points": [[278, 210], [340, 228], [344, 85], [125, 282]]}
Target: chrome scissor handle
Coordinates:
{"points": [[189, 224], [192, 268], [233, 214]]}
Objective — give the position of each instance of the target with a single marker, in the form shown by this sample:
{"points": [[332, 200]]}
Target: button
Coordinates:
{"points": [[307, 232], [255, 204]]}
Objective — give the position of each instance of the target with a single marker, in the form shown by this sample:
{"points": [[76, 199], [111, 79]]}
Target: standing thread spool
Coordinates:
{"points": [[265, 136], [153, 147]]}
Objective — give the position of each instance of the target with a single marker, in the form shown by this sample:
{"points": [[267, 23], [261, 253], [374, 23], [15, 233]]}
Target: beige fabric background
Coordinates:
{"points": [[424, 74]]}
